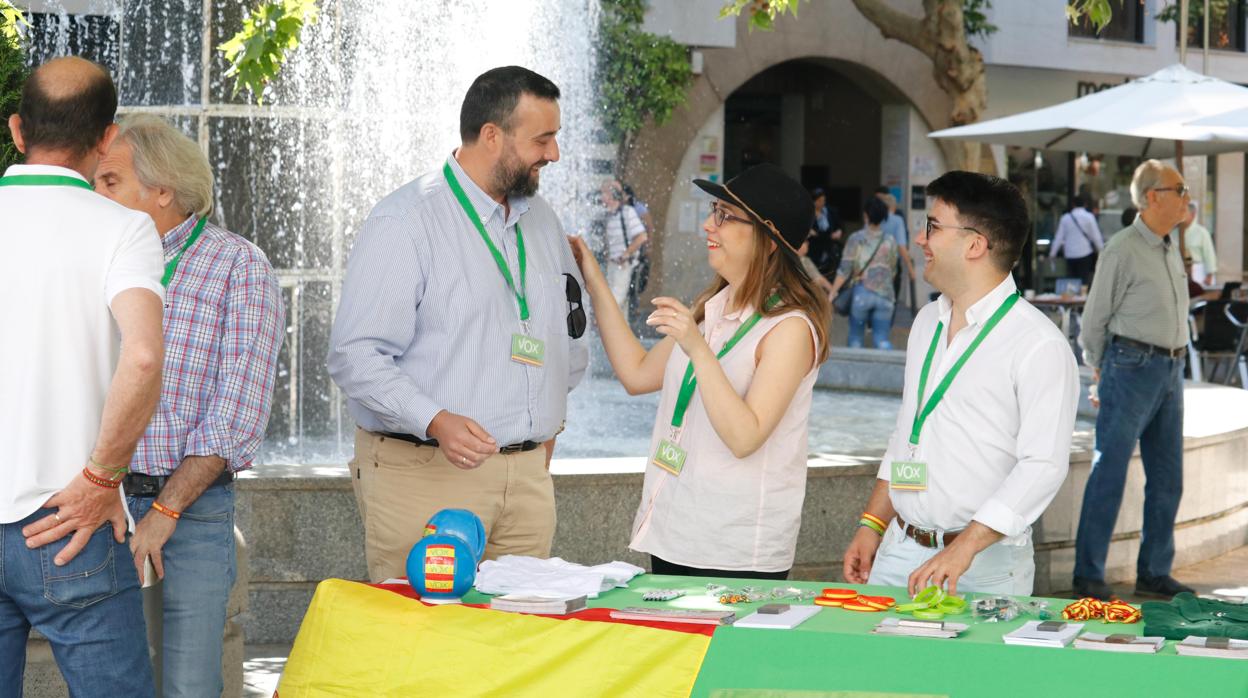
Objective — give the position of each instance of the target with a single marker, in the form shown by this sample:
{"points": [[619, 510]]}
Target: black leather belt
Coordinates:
{"points": [[140, 485], [514, 448], [925, 537], [1150, 348]]}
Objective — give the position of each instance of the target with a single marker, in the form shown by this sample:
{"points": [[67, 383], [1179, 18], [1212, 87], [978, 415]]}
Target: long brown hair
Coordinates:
{"points": [[774, 271]]}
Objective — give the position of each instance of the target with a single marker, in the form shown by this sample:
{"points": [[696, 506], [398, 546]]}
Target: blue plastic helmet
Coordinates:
{"points": [[441, 567], [460, 523]]}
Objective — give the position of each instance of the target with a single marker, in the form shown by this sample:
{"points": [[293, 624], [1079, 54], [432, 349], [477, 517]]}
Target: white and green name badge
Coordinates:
{"points": [[670, 456], [528, 350], [908, 475]]}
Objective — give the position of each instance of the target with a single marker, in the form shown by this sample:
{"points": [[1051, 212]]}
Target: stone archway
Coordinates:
{"points": [[824, 32]]}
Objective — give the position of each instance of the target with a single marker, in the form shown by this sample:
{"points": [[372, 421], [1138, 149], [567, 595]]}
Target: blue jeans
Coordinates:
{"points": [[199, 571], [878, 310], [1141, 400], [89, 609]]}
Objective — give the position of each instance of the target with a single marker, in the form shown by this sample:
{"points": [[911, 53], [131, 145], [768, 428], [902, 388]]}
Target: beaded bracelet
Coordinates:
{"points": [[175, 515], [97, 480]]}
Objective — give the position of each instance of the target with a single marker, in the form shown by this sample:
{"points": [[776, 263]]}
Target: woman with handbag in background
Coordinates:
{"points": [[724, 489], [867, 269]]}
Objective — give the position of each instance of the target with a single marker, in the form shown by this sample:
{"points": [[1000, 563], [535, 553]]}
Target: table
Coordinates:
{"points": [[1065, 305], [834, 652]]}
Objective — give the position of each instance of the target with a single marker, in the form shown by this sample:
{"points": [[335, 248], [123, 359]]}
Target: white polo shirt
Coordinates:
{"points": [[997, 447], [66, 253]]}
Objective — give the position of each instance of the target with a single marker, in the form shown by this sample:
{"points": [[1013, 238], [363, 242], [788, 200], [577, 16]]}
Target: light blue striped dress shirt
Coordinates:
{"points": [[426, 319]]}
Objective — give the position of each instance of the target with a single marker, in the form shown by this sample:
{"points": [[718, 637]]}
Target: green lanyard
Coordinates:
{"points": [[172, 264], [43, 181], [690, 382], [922, 411], [521, 295]]}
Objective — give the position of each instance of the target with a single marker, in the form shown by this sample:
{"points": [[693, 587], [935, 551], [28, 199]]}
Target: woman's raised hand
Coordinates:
{"points": [[584, 257], [674, 320]]}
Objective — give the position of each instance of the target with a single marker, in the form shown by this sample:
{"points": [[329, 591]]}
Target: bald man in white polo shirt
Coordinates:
{"points": [[80, 369], [966, 475]]}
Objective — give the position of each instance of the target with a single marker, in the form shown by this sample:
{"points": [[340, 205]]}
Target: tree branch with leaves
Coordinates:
{"points": [[13, 73], [259, 50]]}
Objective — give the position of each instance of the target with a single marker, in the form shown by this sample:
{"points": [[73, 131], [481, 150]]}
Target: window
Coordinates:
{"points": [[1226, 26], [1127, 24]]}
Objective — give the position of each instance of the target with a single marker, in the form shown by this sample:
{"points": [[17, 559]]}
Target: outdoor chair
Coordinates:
{"points": [[1222, 343]]}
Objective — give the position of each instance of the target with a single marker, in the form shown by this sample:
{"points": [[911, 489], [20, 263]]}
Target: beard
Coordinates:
{"points": [[513, 177]]}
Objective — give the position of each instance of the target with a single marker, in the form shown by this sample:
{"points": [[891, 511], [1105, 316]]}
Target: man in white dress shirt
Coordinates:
{"points": [[964, 477]]}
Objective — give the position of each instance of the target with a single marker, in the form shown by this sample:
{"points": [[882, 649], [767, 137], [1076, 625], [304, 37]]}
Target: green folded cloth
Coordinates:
{"points": [[1187, 615]]}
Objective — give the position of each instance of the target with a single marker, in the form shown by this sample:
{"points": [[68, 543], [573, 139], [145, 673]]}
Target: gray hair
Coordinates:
{"points": [[166, 157], [1146, 178]]}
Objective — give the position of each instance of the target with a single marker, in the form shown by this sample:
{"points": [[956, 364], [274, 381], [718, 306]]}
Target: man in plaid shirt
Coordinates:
{"points": [[223, 325]]}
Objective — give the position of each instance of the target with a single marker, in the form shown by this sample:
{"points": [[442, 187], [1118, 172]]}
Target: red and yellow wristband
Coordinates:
{"points": [[97, 480], [872, 522], [175, 515]]}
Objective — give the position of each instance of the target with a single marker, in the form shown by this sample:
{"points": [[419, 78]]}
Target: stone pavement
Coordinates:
{"points": [[1225, 574]]}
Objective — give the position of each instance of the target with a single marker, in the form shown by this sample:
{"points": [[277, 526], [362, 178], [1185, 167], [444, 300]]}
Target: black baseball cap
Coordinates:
{"points": [[773, 199]]}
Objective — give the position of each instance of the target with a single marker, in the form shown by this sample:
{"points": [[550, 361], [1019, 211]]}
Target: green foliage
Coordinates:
{"points": [[256, 53], [975, 21], [1098, 12], [640, 75], [763, 13], [13, 72], [11, 22]]}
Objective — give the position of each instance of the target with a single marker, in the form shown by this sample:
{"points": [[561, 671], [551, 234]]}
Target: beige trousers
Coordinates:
{"points": [[399, 486]]}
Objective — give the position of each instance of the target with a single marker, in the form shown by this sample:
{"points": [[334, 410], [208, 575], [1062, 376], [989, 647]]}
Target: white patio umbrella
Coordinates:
{"points": [[1234, 121], [1145, 118]]}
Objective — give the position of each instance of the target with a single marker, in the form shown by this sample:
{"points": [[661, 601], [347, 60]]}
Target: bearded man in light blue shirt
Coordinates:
{"points": [[454, 342]]}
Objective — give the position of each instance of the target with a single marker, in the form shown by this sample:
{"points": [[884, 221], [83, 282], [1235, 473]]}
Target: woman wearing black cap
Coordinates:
{"points": [[726, 481]]}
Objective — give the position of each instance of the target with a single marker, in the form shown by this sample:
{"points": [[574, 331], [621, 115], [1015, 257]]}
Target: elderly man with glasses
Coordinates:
{"points": [[1135, 337]]}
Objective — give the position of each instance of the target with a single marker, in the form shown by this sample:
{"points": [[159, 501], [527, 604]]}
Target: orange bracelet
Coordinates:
{"points": [[97, 480], [175, 515]]}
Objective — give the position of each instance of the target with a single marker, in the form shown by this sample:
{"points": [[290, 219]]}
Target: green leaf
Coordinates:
{"points": [[259, 50]]}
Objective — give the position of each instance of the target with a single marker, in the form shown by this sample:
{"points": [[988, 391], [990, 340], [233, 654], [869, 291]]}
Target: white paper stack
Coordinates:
{"points": [[919, 628], [795, 616], [1196, 646], [522, 603], [1121, 642], [1031, 634]]}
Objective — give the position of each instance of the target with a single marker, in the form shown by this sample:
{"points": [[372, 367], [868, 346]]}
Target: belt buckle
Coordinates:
{"points": [[925, 537]]}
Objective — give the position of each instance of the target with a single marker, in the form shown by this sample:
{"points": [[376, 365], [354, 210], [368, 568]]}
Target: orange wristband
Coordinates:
{"points": [[97, 480], [175, 515]]}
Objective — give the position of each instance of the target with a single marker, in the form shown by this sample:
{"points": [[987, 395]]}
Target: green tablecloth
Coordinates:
{"points": [[834, 654]]}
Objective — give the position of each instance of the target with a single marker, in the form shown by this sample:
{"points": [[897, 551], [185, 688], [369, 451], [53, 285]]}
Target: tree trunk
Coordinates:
{"points": [[957, 67]]}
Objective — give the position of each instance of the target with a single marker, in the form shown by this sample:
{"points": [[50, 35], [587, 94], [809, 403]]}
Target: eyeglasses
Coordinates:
{"points": [[1181, 190], [576, 316], [933, 225], [720, 214]]}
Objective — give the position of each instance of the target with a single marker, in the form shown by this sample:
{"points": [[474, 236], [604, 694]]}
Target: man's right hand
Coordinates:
{"points": [[465, 443], [80, 509], [860, 555]]}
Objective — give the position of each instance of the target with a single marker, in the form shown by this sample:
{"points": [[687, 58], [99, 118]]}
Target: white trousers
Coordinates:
{"points": [[618, 277], [1000, 568]]}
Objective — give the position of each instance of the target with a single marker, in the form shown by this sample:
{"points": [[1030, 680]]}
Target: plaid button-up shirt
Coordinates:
{"points": [[224, 322]]}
